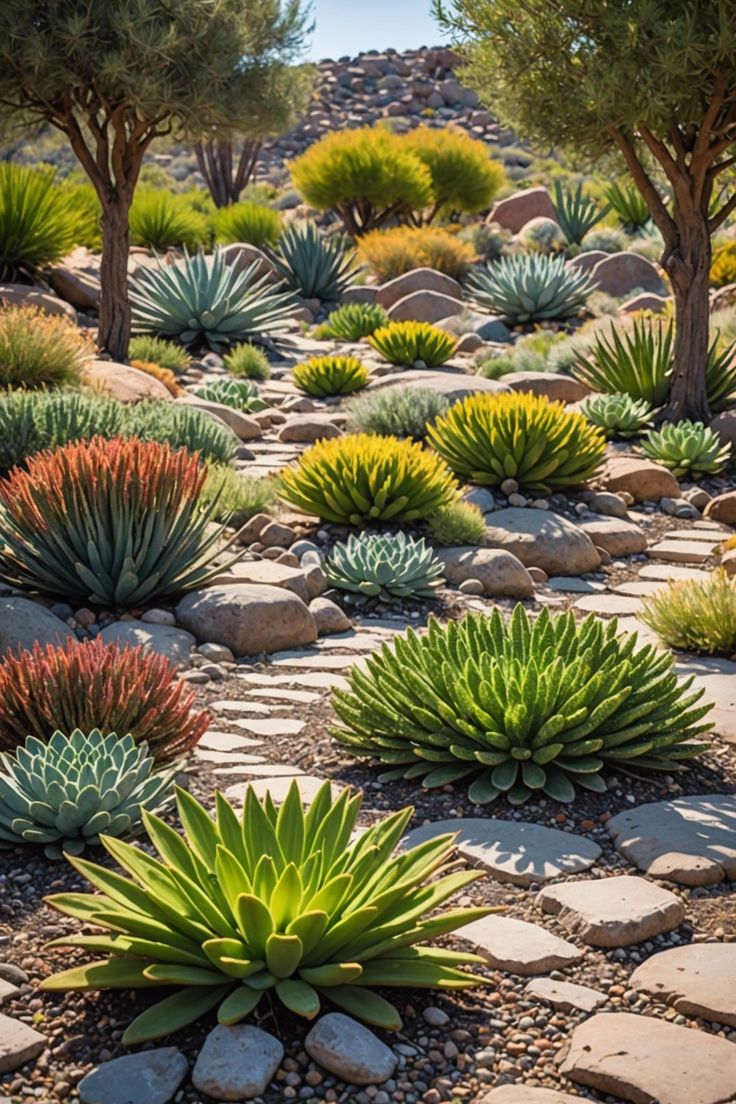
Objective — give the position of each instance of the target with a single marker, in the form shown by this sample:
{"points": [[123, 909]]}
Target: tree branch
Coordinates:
{"points": [[727, 209], [645, 184]]}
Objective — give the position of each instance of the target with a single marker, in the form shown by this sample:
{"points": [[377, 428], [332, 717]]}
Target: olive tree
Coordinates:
{"points": [[114, 75], [654, 80]]}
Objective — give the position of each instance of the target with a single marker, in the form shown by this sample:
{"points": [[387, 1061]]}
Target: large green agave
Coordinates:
{"points": [[530, 288], [575, 212], [519, 707], [64, 793], [312, 266], [204, 299], [388, 567], [284, 903], [688, 449]]}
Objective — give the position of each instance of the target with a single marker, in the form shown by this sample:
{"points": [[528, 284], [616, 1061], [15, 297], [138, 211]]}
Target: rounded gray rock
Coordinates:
{"points": [[236, 1063], [349, 1050], [248, 619], [150, 1077]]}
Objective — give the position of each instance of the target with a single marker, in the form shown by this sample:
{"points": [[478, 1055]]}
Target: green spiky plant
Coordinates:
{"points": [[408, 342], [353, 321], [689, 449], [249, 222], [312, 266], [63, 793], [576, 213], [629, 204], [38, 222], [180, 426], [519, 708], [154, 350], [618, 415], [161, 220], [237, 496], [283, 906], [530, 288], [458, 524], [323, 376], [396, 411], [247, 361], [204, 300], [389, 567], [240, 394]]}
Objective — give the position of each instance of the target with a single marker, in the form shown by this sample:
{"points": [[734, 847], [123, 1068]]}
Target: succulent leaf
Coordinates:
{"points": [[406, 343]]}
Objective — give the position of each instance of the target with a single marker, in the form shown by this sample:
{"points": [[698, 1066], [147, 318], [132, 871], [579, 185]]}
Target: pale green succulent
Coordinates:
{"points": [[63, 794], [688, 449], [386, 567], [240, 394], [205, 299], [530, 288], [618, 415]]}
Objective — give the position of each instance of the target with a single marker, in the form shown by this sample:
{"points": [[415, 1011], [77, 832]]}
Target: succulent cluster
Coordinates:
{"points": [[389, 567], [489, 438], [530, 288], [312, 266], [353, 321], [65, 793], [520, 707], [688, 449], [618, 415], [405, 343], [330, 375], [292, 903], [240, 394]]}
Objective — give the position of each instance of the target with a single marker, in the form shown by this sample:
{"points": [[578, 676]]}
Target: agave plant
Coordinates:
{"points": [[114, 523], [354, 321], [409, 342], [519, 707], [330, 375], [64, 793], [312, 267], [359, 479], [688, 449], [388, 567], [204, 299], [629, 204], [490, 438], [288, 903], [530, 288], [241, 394], [576, 213], [618, 415]]}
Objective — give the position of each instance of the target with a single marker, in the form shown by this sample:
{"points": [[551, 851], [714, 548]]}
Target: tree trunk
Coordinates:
{"points": [[114, 327], [689, 267], [215, 162]]}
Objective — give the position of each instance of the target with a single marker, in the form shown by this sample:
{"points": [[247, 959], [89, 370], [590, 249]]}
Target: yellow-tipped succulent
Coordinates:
{"points": [[330, 375], [408, 342]]}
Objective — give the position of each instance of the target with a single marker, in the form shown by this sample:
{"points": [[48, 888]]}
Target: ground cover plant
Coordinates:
{"points": [[38, 350], [396, 412]]}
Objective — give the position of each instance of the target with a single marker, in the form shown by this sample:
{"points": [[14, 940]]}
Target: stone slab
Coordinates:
{"points": [[226, 741], [519, 947], [234, 706], [313, 680], [150, 1077], [698, 980], [613, 912], [279, 788], [564, 995], [525, 1094], [609, 605], [664, 572], [673, 551], [273, 726], [19, 1044], [303, 697]]}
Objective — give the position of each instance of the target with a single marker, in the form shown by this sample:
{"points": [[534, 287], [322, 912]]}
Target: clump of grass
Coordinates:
{"points": [[240, 496], [247, 362], [40, 350], [457, 524], [396, 412], [156, 350], [695, 616]]}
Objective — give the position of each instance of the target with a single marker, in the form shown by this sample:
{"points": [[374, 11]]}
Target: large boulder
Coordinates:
{"points": [[540, 538], [722, 508], [454, 385], [724, 424], [501, 573], [587, 261], [516, 210], [619, 273], [245, 427], [23, 623], [78, 288], [166, 640], [616, 536], [424, 306], [20, 295], [123, 382], [644, 480], [239, 255], [418, 279], [247, 619], [550, 384]]}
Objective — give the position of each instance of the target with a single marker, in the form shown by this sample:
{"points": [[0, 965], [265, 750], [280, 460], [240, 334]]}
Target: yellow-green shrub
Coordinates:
{"points": [[390, 253], [160, 220], [457, 524], [363, 479], [464, 175], [489, 438], [39, 350], [330, 375], [723, 265], [157, 371], [248, 222], [695, 616], [408, 342]]}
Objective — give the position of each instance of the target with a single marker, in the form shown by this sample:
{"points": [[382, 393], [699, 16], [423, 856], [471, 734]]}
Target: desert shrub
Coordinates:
{"points": [[114, 523], [297, 892], [629, 204], [496, 367], [163, 375], [576, 213], [486, 240], [694, 615], [235, 495], [618, 415], [201, 299], [154, 350], [607, 239], [38, 223], [723, 265], [396, 412], [248, 222], [459, 523], [247, 361], [519, 708], [40, 350], [362, 479], [391, 253], [689, 449], [542, 235], [530, 353], [409, 342], [530, 288], [464, 177], [98, 685], [354, 321], [389, 567], [240, 394], [489, 438], [162, 220], [312, 266], [64, 793], [330, 375], [180, 427]]}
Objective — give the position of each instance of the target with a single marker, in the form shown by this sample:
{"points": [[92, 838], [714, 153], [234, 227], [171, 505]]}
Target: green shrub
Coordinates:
{"points": [[240, 394], [723, 265], [38, 222], [247, 362], [489, 438], [291, 902], [496, 367], [520, 708], [530, 288], [330, 375], [541, 235], [457, 524], [248, 222], [361, 479], [487, 241], [167, 354], [396, 412], [161, 220], [40, 350], [65, 793], [695, 616], [180, 426], [576, 213], [606, 239], [464, 177], [311, 266], [354, 321], [406, 343], [388, 567], [391, 253], [629, 204], [689, 449], [236, 497], [617, 415]]}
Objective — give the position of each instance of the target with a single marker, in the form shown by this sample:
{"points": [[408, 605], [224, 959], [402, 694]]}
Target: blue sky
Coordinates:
{"points": [[349, 26]]}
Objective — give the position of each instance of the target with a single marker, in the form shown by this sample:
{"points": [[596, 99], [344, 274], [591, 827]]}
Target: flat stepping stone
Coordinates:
{"points": [[514, 851], [7, 992], [697, 980], [664, 572], [613, 912], [206, 756], [691, 840], [226, 741], [275, 726], [358, 642], [314, 680], [263, 769], [152, 1076], [312, 661], [609, 605], [650, 1061], [716, 676], [278, 788], [19, 1044], [689, 551], [525, 1094], [519, 947], [303, 697], [715, 536], [565, 995], [571, 585], [643, 588], [241, 707]]}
